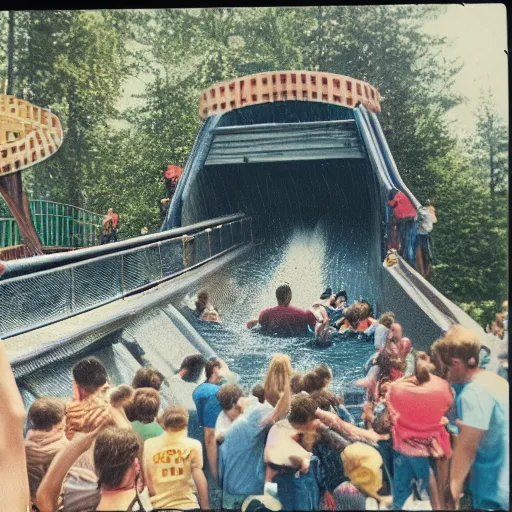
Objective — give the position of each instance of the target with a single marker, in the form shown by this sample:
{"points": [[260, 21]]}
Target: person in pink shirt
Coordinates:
{"points": [[417, 408], [405, 218], [285, 319]]}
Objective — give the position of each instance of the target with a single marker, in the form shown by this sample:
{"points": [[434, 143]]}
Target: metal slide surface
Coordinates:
{"points": [[320, 222]]}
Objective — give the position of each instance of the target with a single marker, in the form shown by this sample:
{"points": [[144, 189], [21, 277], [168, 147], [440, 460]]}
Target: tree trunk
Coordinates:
{"points": [[10, 55]]}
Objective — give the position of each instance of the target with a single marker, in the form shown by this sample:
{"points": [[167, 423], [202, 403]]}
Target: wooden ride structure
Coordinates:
{"points": [[28, 135], [288, 86]]}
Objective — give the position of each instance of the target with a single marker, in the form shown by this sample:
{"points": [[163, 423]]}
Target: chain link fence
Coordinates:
{"points": [[31, 301]]}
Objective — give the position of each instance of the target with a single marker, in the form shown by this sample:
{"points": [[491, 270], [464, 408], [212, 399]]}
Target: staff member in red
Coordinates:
{"points": [[405, 217], [115, 222]]}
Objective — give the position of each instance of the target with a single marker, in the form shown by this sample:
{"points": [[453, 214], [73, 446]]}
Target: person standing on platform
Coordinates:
{"points": [[405, 217], [115, 222], [171, 177], [432, 211], [106, 230]]}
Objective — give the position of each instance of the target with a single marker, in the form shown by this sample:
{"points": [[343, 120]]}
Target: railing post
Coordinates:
{"points": [[73, 291], [122, 275], [160, 258], [188, 249]]}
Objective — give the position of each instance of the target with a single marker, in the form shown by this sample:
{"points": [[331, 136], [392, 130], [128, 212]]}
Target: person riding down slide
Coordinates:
{"points": [[202, 307], [284, 319], [340, 305], [329, 311], [205, 308]]}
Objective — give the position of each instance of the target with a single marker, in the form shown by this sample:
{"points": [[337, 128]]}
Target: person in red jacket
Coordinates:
{"points": [[405, 218]]}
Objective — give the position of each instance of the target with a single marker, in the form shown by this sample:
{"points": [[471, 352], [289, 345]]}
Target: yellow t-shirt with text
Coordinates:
{"points": [[169, 460]]}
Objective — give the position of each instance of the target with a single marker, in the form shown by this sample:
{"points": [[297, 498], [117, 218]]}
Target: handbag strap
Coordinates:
{"points": [[135, 500]]}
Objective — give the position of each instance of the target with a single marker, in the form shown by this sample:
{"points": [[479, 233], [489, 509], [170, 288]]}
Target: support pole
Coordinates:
{"points": [[10, 55]]}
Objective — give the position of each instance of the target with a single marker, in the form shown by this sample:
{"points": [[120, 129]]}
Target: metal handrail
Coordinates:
{"points": [[73, 228], [47, 261], [48, 295]]}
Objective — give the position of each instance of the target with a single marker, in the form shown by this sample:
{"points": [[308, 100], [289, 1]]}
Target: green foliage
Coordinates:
{"points": [[77, 62], [482, 311]]}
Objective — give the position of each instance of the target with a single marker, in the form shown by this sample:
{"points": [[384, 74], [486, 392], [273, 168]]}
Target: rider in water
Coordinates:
{"points": [[340, 305], [284, 319], [205, 309]]}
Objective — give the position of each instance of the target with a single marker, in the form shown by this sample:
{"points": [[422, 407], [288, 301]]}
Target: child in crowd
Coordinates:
{"points": [[120, 398], [288, 454], [146, 404], [173, 463], [89, 385], [296, 384], [259, 393], [363, 466], [325, 375], [44, 438], [147, 377], [328, 401], [229, 397], [191, 368]]}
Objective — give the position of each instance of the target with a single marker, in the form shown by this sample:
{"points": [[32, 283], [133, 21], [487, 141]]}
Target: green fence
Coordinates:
{"points": [[58, 225]]}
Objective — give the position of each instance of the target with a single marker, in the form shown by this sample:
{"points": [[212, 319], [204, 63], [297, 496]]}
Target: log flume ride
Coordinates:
{"points": [[287, 180]]}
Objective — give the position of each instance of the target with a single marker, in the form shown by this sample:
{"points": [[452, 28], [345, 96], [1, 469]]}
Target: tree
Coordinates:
{"points": [[490, 151], [73, 62]]}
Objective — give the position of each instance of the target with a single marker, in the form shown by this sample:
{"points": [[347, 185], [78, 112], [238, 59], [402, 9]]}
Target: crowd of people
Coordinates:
{"points": [[433, 430]]}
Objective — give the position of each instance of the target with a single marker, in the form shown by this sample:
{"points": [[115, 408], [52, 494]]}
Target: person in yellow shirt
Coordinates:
{"points": [[173, 463]]}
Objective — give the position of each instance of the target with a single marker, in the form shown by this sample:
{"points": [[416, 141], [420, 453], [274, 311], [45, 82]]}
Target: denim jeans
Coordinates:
{"points": [[407, 236], [301, 493], [406, 469]]}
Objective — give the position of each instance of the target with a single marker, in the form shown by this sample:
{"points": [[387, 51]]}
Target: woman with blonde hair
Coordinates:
{"points": [[278, 378]]}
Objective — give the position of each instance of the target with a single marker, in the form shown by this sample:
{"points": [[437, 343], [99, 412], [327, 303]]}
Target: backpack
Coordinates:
{"points": [[425, 221]]}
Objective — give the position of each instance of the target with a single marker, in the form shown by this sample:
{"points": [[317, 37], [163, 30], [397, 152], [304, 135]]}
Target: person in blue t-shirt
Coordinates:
{"points": [[483, 419], [208, 408], [241, 466]]}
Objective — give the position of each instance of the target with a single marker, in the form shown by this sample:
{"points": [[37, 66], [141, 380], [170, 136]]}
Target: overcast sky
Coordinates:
{"points": [[479, 37]]}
